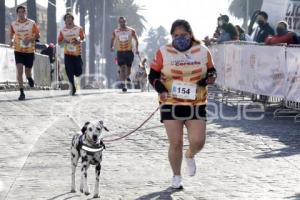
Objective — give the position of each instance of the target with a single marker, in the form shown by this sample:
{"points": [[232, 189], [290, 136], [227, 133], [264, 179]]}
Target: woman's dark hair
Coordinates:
{"points": [[240, 29], [20, 7], [224, 17], [187, 27], [68, 14]]}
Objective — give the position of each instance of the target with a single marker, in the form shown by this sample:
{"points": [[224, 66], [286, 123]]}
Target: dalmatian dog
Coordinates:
{"points": [[88, 146]]}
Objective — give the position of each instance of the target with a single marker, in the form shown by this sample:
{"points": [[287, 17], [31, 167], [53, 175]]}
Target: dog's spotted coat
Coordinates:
{"points": [[91, 139]]}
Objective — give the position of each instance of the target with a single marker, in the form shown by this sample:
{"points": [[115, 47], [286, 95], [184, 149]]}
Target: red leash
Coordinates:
{"points": [[131, 132]]}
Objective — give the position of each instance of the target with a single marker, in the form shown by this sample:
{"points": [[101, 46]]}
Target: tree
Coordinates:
{"points": [[238, 8], [129, 9], [69, 5], [155, 39], [31, 9], [2, 21], [94, 10], [115, 9], [51, 22], [81, 9], [92, 33]]}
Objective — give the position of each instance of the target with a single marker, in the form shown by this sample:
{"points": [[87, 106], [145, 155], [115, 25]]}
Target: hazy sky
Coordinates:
{"points": [[60, 9], [202, 14]]}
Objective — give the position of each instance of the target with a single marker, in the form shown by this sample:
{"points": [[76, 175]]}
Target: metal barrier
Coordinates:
{"points": [[230, 61], [41, 69]]}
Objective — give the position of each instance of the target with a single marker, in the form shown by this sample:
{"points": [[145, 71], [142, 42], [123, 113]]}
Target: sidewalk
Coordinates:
{"points": [[241, 160]]}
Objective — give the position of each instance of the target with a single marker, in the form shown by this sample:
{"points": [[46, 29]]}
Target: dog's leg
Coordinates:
{"points": [[84, 188], [74, 161], [97, 172], [143, 86]]}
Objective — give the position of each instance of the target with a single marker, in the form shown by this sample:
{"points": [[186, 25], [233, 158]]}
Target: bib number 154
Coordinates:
{"points": [[184, 90]]}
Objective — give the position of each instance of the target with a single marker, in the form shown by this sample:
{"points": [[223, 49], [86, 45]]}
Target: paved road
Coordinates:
{"points": [[242, 159]]}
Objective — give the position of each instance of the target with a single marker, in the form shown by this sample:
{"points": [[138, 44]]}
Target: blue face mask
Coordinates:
{"points": [[182, 43]]}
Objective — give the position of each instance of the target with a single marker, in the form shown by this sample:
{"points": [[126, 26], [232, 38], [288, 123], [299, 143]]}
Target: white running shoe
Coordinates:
{"points": [[191, 166], [177, 182]]}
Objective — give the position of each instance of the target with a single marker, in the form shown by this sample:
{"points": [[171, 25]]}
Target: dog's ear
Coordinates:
{"points": [[84, 127], [101, 123], [105, 129]]}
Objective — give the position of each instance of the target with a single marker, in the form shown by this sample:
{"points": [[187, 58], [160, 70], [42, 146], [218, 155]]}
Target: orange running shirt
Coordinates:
{"points": [[70, 34], [24, 30], [123, 39], [190, 66]]}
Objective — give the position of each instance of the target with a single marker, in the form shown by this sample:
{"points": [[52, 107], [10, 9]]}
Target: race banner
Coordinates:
{"points": [[293, 74], [251, 68], [283, 10], [42, 70], [264, 70], [276, 10], [218, 53], [234, 71], [7, 65], [292, 15]]}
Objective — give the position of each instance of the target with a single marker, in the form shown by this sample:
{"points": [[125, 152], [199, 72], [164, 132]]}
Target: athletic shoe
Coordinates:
{"points": [[30, 82], [124, 89], [128, 84], [191, 166], [177, 182], [22, 96], [73, 91]]}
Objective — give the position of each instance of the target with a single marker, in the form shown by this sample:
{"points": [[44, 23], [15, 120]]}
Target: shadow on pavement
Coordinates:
{"points": [[283, 130], [295, 197], [160, 195], [67, 196], [49, 97]]}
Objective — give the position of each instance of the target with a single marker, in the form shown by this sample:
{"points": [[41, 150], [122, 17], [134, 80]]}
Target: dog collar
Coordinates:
{"points": [[89, 148], [92, 149]]}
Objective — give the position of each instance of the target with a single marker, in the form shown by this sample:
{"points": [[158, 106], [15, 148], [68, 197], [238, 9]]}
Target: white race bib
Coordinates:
{"points": [[123, 38], [71, 48], [184, 90], [22, 44]]}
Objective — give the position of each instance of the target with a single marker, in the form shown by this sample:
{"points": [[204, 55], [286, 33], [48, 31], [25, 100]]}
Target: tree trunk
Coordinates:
{"points": [[92, 12], [82, 11], [31, 10], [98, 41], [69, 6], [111, 69], [2, 21], [51, 22]]}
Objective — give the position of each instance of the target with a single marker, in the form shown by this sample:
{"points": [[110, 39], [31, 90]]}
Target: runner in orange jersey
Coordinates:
{"points": [[122, 42], [180, 73], [71, 36], [24, 32]]}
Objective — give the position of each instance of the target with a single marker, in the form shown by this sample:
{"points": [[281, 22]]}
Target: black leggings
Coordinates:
{"points": [[73, 65]]}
